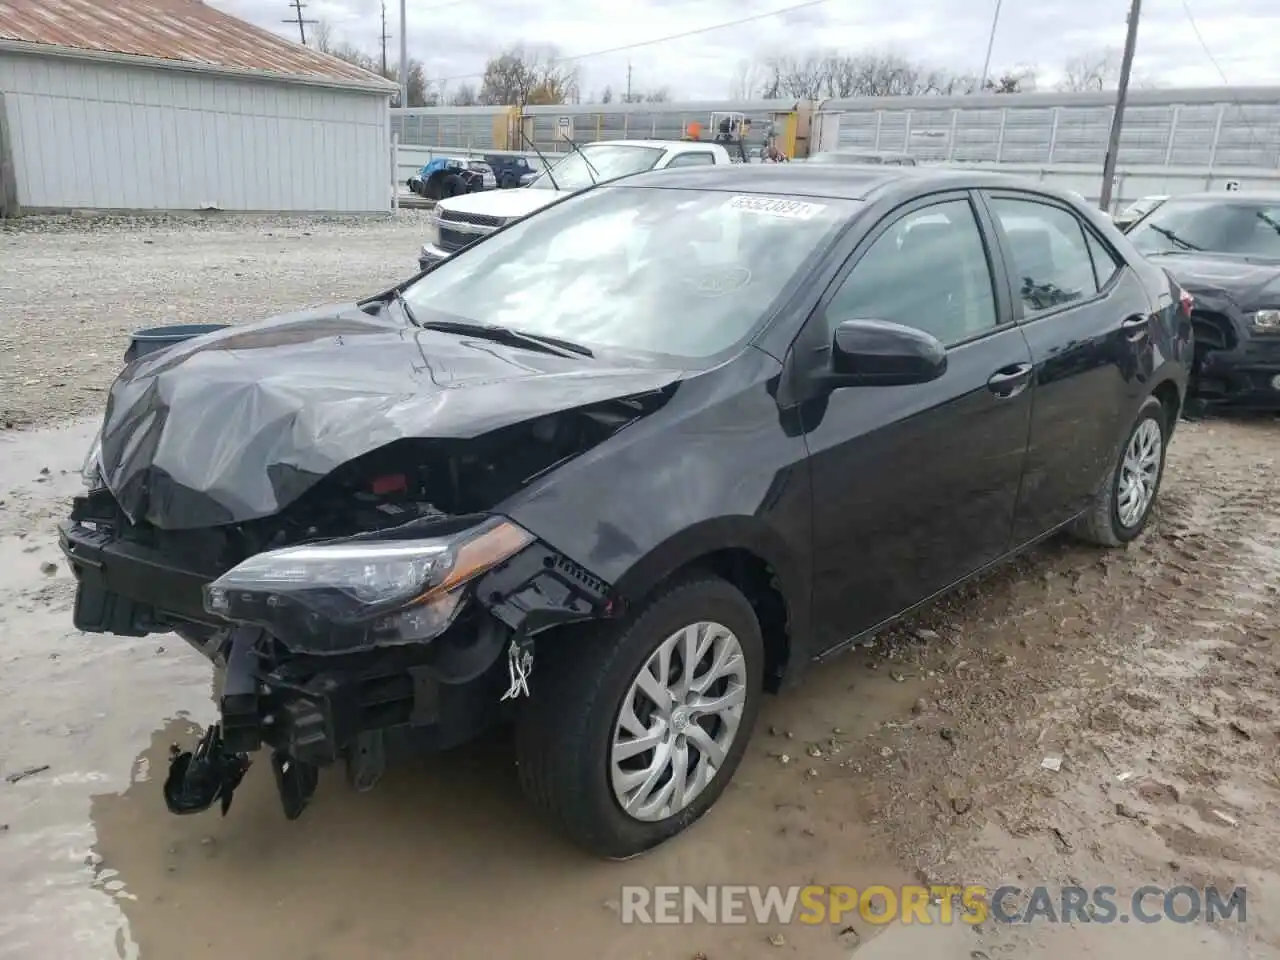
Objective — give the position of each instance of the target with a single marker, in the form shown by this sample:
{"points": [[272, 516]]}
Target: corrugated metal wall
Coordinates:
{"points": [[107, 136], [472, 128], [457, 128], [1207, 128]]}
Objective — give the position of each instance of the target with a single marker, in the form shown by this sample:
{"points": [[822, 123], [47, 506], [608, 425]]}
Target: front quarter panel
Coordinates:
{"points": [[716, 468]]}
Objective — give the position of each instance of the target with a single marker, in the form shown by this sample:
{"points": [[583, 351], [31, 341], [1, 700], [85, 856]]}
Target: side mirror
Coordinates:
{"points": [[878, 353]]}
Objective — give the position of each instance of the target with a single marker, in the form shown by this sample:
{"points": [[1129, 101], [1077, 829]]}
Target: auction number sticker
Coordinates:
{"points": [[776, 207]]}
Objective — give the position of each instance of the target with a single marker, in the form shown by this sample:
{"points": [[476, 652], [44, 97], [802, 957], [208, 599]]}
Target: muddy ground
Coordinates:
{"points": [[1152, 674]]}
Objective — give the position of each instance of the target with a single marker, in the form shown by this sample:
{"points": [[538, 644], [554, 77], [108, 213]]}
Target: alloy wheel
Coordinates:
{"points": [[1139, 473], [678, 721]]}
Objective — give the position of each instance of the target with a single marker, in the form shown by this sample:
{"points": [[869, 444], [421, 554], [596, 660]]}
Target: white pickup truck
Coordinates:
{"points": [[461, 220]]}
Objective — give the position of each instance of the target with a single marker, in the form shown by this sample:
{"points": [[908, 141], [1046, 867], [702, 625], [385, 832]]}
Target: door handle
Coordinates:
{"points": [[1135, 327], [1010, 381]]}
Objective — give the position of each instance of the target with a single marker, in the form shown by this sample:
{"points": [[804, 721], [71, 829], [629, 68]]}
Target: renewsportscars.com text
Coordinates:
{"points": [[939, 904]]}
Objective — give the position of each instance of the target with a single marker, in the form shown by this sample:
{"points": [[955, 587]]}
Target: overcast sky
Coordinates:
{"points": [[455, 37]]}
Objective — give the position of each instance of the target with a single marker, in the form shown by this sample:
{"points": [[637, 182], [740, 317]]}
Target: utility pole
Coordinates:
{"points": [[628, 100], [302, 28], [404, 58], [384, 37], [1122, 95], [991, 42]]}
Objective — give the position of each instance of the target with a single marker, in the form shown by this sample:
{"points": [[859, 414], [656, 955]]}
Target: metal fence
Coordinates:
{"points": [[1085, 179], [1171, 135], [1233, 127]]}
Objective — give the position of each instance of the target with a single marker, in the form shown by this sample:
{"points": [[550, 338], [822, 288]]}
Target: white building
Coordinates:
{"points": [[172, 105]]}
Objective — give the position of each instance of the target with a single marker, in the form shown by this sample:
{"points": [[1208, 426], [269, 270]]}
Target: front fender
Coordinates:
{"points": [[712, 469]]}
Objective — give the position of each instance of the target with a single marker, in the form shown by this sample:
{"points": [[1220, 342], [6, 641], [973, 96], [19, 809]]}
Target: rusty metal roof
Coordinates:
{"points": [[178, 31]]}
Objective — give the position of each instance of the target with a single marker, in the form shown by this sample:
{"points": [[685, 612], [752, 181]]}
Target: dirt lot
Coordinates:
{"points": [[1152, 674]]}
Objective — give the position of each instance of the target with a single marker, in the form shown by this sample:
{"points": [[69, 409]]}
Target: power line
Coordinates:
{"points": [[649, 43], [1204, 46], [298, 5], [1253, 133]]}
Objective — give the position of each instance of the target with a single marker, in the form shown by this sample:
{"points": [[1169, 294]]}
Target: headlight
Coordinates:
{"points": [[345, 595], [1265, 321], [432, 231], [91, 469]]}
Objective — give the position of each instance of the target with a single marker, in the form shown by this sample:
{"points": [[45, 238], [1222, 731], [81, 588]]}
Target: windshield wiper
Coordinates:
{"points": [[591, 168], [514, 338], [541, 159], [398, 295], [1173, 237], [1270, 221]]}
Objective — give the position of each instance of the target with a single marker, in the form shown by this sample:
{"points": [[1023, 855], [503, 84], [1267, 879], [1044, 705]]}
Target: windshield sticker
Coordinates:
{"points": [[775, 207]]}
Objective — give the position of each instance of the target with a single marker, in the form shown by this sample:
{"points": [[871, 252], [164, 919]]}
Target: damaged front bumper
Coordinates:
{"points": [[1235, 366], [312, 691]]}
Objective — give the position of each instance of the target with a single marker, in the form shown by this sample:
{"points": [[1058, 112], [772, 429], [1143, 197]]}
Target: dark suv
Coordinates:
{"points": [[508, 169], [611, 485]]}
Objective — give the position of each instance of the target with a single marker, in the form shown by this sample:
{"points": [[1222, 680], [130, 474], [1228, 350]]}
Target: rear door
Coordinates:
{"points": [[1090, 325], [914, 486]]}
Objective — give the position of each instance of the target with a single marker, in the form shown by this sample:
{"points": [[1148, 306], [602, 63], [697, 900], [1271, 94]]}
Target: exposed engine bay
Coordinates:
{"points": [[304, 670]]}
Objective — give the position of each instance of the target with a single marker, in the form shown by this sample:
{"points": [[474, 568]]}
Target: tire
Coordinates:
{"points": [[581, 682], [454, 185], [1105, 524], [509, 182]]}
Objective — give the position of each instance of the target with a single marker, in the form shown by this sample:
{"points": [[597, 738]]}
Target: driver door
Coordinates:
{"points": [[914, 487]]}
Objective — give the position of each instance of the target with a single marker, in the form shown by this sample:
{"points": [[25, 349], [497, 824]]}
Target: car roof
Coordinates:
{"points": [[836, 182], [1229, 196], [657, 144]]}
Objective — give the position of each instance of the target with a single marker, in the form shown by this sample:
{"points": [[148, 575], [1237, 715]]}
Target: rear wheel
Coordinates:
{"points": [[1123, 505], [634, 731], [454, 185]]}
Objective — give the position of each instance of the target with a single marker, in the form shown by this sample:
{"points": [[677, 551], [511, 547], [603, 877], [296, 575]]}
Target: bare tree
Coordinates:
{"points": [[464, 96], [1092, 71], [748, 80], [606, 95], [831, 74], [521, 75], [322, 36], [1020, 79], [656, 95]]}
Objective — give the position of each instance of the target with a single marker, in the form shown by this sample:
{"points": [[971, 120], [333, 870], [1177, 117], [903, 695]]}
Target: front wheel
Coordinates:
{"points": [[1123, 505], [633, 731]]}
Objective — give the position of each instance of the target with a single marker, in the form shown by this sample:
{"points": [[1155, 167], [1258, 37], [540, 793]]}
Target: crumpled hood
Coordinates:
{"points": [[1249, 284], [500, 203], [237, 424]]}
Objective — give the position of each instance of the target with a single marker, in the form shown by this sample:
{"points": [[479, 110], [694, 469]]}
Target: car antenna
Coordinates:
{"points": [[578, 150], [534, 147]]}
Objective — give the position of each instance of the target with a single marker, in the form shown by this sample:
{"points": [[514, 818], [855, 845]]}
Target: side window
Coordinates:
{"points": [[691, 159], [1050, 256], [1105, 264], [929, 271]]}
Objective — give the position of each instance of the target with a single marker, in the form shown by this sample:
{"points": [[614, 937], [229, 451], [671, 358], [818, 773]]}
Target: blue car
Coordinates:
{"points": [[443, 177]]}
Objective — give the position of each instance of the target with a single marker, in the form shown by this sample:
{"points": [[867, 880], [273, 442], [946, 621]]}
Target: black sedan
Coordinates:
{"points": [[618, 469], [1225, 249]]}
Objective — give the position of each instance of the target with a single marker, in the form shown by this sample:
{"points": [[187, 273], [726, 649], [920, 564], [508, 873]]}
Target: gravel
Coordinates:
{"points": [[73, 289]]}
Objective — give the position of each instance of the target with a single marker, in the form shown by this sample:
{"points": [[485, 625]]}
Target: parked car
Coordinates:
{"points": [[460, 221], [619, 469], [1137, 210], [1225, 249], [509, 170], [878, 157], [443, 177]]}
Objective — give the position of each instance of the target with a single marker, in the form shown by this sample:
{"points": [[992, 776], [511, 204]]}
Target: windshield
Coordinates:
{"points": [[1246, 228], [609, 161], [682, 273]]}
